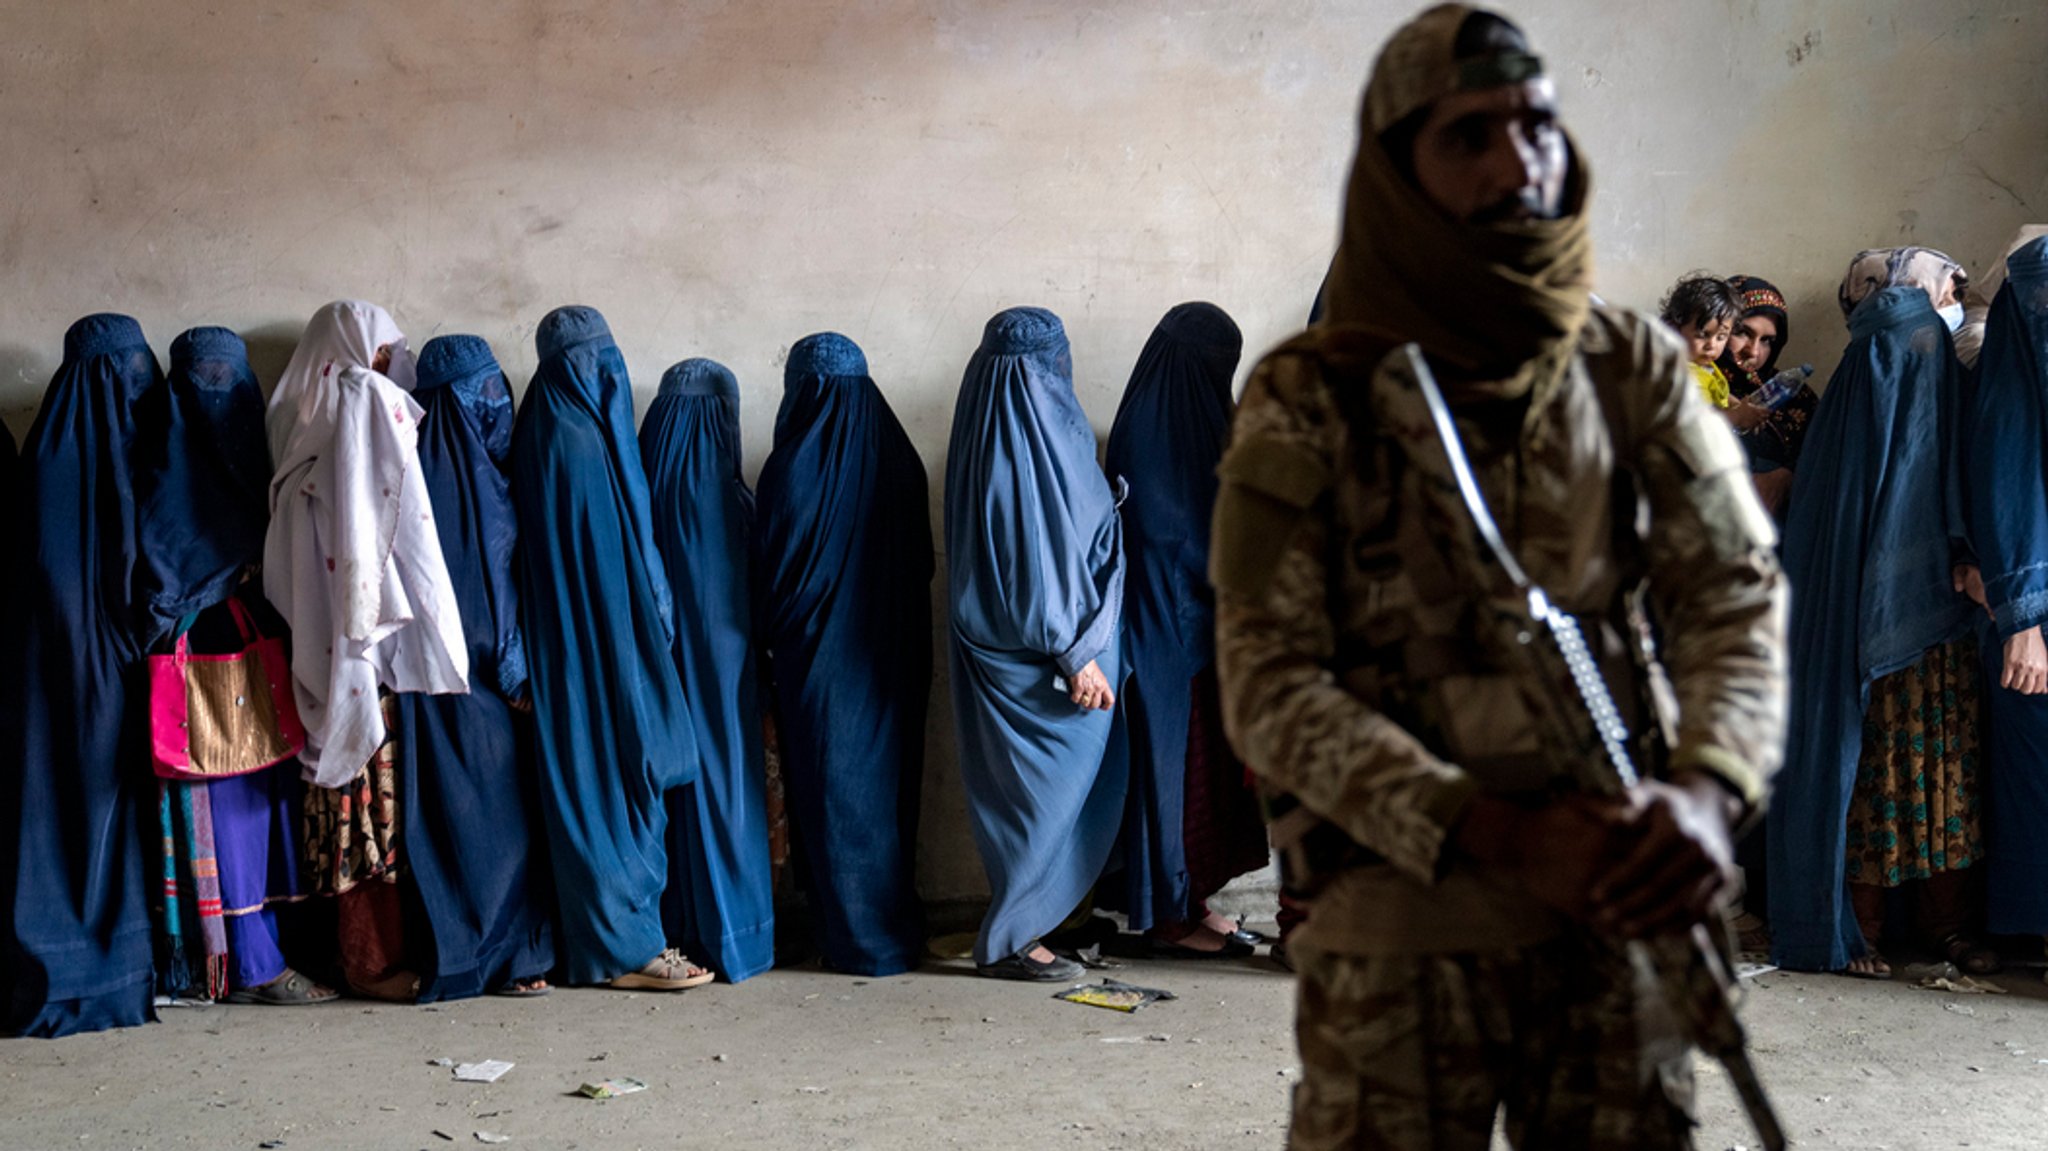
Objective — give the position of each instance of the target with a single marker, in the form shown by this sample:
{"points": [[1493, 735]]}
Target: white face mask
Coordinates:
{"points": [[1952, 315]]}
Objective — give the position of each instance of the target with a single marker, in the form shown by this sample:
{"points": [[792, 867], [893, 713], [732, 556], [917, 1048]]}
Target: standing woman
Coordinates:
{"points": [[1190, 823], [2008, 469], [74, 755], [471, 834], [1036, 574], [353, 562], [845, 569], [1879, 786], [613, 733], [231, 843], [1771, 438], [720, 901]]}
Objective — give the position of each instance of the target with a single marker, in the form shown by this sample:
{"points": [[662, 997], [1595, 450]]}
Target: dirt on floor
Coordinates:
{"points": [[938, 1059]]}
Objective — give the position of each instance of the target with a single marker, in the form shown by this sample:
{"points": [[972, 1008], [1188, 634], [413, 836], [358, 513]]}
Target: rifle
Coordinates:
{"points": [[1690, 976]]}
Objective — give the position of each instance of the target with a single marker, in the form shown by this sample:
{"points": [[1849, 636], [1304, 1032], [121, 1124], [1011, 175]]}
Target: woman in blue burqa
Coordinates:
{"points": [[613, 734], [1879, 784], [844, 551], [2008, 471], [721, 901], [1035, 562], [74, 755], [228, 848], [472, 832], [1190, 822]]}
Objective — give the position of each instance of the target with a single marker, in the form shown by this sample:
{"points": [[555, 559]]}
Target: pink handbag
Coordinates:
{"points": [[212, 716]]}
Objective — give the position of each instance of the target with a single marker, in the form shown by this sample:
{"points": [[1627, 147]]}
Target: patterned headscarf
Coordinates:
{"points": [[1874, 269], [1760, 297]]}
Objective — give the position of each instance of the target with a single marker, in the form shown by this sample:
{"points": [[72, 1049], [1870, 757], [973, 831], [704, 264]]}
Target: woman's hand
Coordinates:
{"points": [[1747, 416], [2026, 663], [1969, 581], [1089, 689]]}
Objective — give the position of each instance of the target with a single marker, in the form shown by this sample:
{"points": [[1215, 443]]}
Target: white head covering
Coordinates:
{"points": [[344, 334], [352, 558]]}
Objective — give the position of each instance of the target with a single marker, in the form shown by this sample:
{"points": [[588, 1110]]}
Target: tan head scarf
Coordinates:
{"points": [[1875, 269], [1498, 305]]}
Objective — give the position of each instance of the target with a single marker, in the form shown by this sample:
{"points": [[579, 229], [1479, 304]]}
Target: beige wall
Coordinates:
{"points": [[722, 178]]}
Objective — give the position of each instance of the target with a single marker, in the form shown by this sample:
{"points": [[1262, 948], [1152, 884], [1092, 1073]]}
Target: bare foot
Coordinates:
{"points": [[1040, 954], [1871, 966]]}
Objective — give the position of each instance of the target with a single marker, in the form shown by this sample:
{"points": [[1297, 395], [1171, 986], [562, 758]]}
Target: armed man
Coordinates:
{"points": [[1491, 926]]}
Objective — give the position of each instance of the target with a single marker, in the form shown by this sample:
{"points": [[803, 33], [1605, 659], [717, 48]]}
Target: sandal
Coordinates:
{"points": [[532, 988], [288, 990], [669, 971], [1025, 969], [1874, 967], [398, 987], [1969, 956]]}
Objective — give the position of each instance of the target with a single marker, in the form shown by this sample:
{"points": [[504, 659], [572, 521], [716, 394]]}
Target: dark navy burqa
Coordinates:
{"points": [[1036, 572], [1875, 527], [844, 548], [1169, 435], [471, 830], [74, 759], [613, 735], [204, 494], [2008, 484], [720, 906]]}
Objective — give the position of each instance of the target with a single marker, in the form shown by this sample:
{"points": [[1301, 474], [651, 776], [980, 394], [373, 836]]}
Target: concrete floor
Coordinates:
{"points": [[940, 1059]]}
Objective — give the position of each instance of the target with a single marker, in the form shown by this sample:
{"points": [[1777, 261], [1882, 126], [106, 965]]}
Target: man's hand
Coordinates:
{"points": [[1558, 851], [1089, 689], [1681, 864], [2026, 663], [1969, 581]]}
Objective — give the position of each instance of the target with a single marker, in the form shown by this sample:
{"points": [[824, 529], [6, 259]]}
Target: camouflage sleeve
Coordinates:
{"points": [[1713, 576], [1284, 709]]}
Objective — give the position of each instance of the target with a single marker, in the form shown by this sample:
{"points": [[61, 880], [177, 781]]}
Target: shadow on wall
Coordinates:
{"points": [[21, 373], [270, 349]]}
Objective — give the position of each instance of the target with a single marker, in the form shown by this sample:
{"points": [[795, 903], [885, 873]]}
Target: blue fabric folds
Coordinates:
{"points": [[1876, 522], [1169, 435], [720, 905], [844, 564], [612, 732], [205, 499], [2008, 474], [74, 757], [472, 829], [1036, 579]]}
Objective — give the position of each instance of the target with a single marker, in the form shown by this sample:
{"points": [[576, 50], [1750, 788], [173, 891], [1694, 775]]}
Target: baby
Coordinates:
{"points": [[1702, 308]]}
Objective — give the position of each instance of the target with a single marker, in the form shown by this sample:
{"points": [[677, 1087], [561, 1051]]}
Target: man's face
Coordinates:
{"points": [[1750, 344], [1495, 154]]}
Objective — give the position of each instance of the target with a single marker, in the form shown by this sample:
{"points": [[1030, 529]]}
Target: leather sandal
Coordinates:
{"points": [[288, 990], [1026, 969], [669, 971], [1969, 956]]}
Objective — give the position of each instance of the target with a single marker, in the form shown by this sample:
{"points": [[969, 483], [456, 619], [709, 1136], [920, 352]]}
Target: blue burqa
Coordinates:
{"points": [[2008, 473], [844, 550], [1876, 522], [720, 905], [613, 735], [1169, 435], [1035, 562], [471, 830], [74, 758], [204, 495]]}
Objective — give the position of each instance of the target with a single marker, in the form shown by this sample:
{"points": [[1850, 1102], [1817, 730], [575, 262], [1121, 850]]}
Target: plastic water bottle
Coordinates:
{"points": [[1777, 391]]}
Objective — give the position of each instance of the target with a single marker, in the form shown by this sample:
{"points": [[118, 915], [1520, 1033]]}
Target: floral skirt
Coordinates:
{"points": [[1913, 812], [350, 831]]}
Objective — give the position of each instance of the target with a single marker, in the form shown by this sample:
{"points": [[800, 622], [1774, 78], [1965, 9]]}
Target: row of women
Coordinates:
{"points": [[1916, 542], [533, 656]]}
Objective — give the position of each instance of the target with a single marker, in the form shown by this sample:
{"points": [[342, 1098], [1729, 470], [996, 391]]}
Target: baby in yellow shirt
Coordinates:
{"points": [[1703, 308]]}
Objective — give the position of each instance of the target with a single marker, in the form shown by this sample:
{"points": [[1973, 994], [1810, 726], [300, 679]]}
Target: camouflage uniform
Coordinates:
{"points": [[1435, 990]]}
